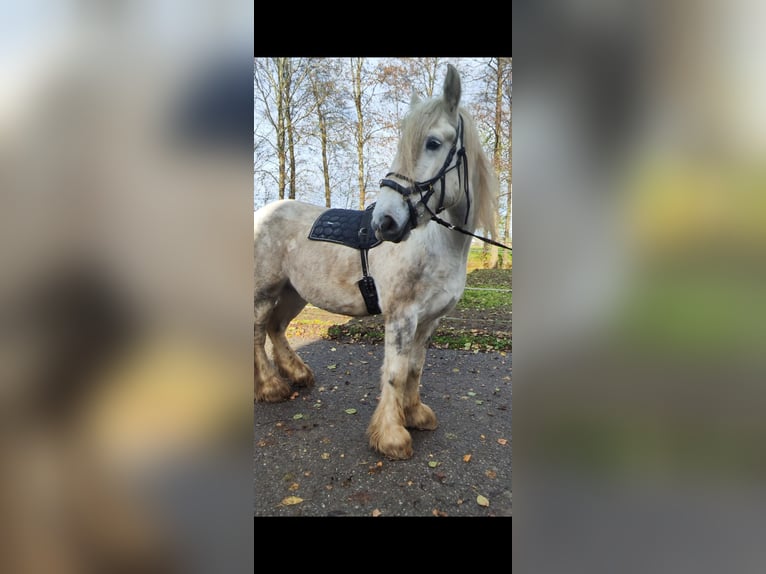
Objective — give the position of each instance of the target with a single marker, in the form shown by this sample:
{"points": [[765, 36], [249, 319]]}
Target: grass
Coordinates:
{"points": [[485, 300]]}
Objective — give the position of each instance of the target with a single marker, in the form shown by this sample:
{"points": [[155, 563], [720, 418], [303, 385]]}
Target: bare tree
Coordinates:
{"points": [[320, 95], [328, 105], [282, 98], [325, 128], [269, 74], [509, 160], [363, 91]]}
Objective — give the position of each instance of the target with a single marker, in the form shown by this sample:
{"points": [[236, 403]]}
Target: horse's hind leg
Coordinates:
{"points": [[287, 361], [269, 386]]}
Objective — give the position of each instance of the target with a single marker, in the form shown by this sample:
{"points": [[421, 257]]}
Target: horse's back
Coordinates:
{"points": [[278, 229], [284, 212]]}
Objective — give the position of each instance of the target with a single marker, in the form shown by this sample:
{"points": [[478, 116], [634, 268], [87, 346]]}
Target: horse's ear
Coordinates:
{"points": [[414, 98], [452, 89]]}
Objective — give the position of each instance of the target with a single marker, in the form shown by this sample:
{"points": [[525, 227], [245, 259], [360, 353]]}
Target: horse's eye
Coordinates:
{"points": [[433, 144]]}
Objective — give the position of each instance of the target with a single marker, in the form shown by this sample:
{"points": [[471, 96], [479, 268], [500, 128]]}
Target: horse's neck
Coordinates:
{"points": [[454, 241]]}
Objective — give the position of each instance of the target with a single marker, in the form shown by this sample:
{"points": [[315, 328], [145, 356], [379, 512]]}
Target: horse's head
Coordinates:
{"points": [[428, 174]]}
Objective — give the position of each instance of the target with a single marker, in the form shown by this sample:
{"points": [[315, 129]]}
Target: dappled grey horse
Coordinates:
{"points": [[440, 180]]}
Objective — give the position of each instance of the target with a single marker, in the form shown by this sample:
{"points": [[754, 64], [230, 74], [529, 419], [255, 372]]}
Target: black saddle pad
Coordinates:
{"points": [[349, 227]]}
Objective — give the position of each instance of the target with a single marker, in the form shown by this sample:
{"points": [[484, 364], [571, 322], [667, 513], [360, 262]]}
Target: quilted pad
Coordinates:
{"points": [[349, 227]]}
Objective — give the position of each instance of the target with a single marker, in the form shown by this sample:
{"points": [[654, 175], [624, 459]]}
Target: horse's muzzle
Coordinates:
{"points": [[388, 229]]}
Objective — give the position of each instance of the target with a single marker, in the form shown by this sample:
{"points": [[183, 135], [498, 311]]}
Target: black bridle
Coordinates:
{"points": [[426, 188]]}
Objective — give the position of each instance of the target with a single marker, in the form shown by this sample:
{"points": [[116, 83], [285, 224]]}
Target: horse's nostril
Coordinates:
{"points": [[387, 224]]}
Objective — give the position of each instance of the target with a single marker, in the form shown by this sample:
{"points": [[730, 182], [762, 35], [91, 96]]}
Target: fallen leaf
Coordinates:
{"points": [[350, 411], [379, 463], [482, 500], [376, 512], [455, 370], [290, 500], [479, 402], [293, 487], [437, 512], [491, 474], [325, 455], [333, 349], [471, 394], [332, 367], [467, 458], [294, 396], [433, 463], [297, 416], [502, 441]]}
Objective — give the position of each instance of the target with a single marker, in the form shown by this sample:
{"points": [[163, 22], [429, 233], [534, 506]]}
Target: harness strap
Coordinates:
{"points": [[367, 284]]}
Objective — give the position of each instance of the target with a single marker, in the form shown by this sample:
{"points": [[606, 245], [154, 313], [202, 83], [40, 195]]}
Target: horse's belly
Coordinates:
{"points": [[327, 278]]}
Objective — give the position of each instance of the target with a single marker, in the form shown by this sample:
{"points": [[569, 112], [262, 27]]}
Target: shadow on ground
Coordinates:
{"points": [[311, 456]]}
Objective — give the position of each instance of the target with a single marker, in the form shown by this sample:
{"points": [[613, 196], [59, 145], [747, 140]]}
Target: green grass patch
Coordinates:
{"points": [[485, 300], [497, 278]]}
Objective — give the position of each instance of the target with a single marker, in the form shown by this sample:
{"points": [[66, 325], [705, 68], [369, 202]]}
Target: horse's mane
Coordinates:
{"points": [[484, 184]]}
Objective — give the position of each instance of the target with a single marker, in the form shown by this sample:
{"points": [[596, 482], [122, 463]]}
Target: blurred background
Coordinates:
{"points": [[125, 300], [640, 323], [125, 325]]}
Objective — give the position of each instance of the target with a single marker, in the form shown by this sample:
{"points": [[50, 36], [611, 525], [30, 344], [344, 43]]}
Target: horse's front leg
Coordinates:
{"points": [[387, 431], [416, 414]]}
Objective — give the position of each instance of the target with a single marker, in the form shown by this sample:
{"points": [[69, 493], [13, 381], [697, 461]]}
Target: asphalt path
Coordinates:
{"points": [[311, 456]]}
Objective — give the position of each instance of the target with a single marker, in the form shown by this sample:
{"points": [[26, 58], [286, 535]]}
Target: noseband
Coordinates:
{"points": [[427, 189]]}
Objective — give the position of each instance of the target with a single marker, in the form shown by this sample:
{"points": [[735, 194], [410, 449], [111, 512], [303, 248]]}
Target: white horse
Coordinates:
{"points": [[439, 178]]}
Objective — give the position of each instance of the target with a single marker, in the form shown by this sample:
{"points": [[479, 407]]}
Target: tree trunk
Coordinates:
{"points": [[320, 92], [497, 157], [325, 163], [432, 65], [356, 66], [289, 125], [281, 155], [509, 178]]}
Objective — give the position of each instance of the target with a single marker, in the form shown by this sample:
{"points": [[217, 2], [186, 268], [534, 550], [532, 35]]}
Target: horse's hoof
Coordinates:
{"points": [[306, 380], [299, 374], [275, 390], [420, 417], [396, 445]]}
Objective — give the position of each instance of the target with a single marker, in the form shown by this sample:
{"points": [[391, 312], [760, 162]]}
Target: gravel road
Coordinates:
{"points": [[311, 456]]}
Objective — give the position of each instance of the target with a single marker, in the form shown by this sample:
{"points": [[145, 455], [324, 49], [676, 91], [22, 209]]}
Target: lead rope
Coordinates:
{"points": [[449, 225]]}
